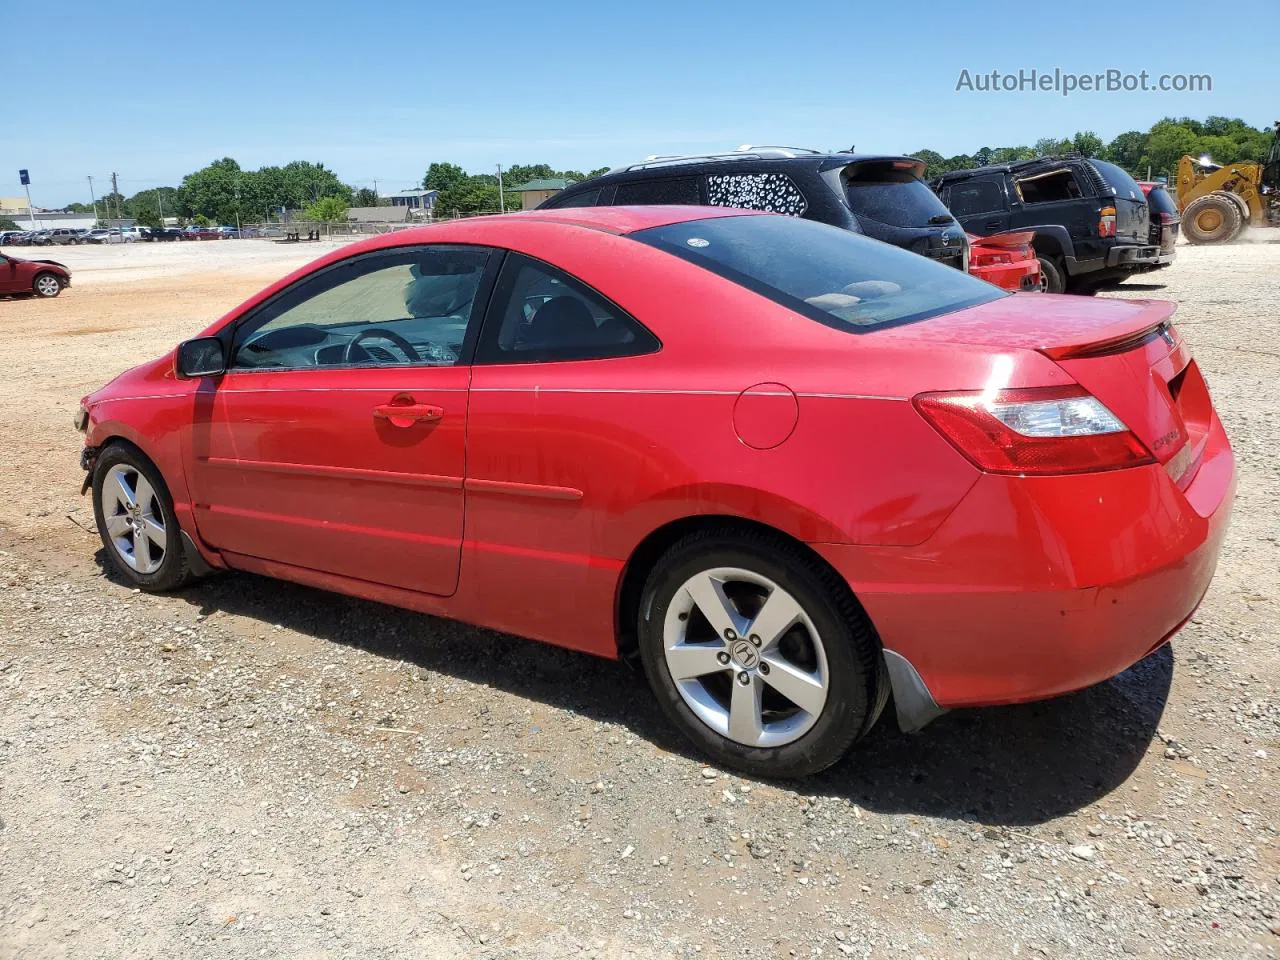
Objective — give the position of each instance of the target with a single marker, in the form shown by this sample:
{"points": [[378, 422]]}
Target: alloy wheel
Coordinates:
{"points": [[745, 657], [47, 285], [133, 518]]}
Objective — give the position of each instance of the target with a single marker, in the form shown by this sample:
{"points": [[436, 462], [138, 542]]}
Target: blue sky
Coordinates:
{"points": [[378, 90]]}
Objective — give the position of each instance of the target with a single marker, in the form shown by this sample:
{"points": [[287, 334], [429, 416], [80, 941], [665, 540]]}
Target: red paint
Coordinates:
{"points": [[765, 415], [1006, 259], [513, 496], [18, 275]]}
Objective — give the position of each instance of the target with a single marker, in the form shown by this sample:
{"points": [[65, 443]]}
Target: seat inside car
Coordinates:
{"points": [[561, 322]]}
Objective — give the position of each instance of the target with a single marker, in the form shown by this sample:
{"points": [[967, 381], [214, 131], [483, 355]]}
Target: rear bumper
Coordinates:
{"points": [[1035, 587], [1133, 256], [1019, 275]]}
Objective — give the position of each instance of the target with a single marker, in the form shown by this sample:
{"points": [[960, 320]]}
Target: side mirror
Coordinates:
{"points": [[202, 357]]}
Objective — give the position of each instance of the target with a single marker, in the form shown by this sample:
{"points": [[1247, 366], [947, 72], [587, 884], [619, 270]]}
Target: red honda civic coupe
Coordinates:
{"points": [[790, 469]]}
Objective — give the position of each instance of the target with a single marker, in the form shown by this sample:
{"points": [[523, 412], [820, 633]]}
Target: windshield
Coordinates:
{"points": [[1115, 178], [897, 198], [834, 276]]}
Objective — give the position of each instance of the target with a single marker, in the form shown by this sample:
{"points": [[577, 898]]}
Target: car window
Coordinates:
{"points": [[770, 192], [1116, 179], [975, 196], [661, 190], [587, 198], [543, 315], [834, 276], [1048, 187], [1160, 201], [404, 306], [898, 198]]}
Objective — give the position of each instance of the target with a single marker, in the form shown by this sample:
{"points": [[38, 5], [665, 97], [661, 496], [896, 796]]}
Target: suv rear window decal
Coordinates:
{"points": [[771, 192]]}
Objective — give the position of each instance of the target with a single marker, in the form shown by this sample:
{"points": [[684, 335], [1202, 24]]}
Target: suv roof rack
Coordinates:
{"points": [[746, 151]]}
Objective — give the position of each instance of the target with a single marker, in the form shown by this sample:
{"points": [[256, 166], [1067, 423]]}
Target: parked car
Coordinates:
{"points": [[103, 235], [1089, 216], [9, 237], [229, 233], [1006, 259], [65, 236], [40, 238], [200, 233], [786, 467], [1165, 221], [164, 234], [881, 196], [41, 278]]}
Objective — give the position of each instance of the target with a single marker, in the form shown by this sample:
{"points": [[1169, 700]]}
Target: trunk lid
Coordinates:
{"points": [[1116, 187], [1124, 352]]}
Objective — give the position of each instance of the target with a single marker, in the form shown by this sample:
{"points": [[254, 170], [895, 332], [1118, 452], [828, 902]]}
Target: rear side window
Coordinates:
{"points": [[587, 198], [769, 192], [834, 276], [1049, 187], [542, 314], [680, 190], [1160, 202], [1115, 178], [975, 196], [897, 198]]}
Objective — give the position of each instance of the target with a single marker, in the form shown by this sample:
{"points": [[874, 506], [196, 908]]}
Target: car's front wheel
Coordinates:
{"points": [[759, 653], [135, 517], [46, 285]]}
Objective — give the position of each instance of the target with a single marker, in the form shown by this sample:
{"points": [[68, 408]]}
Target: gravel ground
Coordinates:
{"points": [[253, 768]]}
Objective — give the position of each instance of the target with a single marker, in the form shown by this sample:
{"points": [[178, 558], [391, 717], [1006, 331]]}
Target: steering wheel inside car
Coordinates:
{"points": [[371, 333]]}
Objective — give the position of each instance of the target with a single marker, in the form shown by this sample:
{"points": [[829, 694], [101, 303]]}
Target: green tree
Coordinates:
{"points": [[472, 195], [79, 208], [443, 176], [1127, 150], [328, 209], [1166, 144], [152, 202], [211, 192], [1052, 146], [147, 218], [7, 224], [934, 164], [1087, 144], [598, 171], [367, 198]]}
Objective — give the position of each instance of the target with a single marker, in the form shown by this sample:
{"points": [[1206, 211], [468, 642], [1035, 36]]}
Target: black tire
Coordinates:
{"points": [[857, 688], [46, 284], [1052, 278], [1212, 218], [174, 570]]}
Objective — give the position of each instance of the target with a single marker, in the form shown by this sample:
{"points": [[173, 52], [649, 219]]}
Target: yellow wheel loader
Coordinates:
{"points": [[1217, 201]]}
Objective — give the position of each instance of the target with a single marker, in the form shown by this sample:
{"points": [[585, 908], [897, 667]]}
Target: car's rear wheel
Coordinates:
{"points": [[759, 653], [46, 285], [135, 517], [1052, 278]]}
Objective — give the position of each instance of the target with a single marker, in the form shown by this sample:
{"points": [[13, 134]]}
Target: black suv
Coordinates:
{"points": [[883, 197], [1090, 217]]}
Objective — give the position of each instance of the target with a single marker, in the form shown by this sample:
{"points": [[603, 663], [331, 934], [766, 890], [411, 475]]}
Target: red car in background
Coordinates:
{"points": [[43, 278], [555, 424], [200, 233], [1006, 259]]}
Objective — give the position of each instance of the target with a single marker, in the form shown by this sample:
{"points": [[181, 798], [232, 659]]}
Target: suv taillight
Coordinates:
{"points": [[1038, 431], [1107, 222]]}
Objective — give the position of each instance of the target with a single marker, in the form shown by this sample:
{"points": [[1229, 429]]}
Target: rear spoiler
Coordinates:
{"points": [[893, 163], [1154, 321]]}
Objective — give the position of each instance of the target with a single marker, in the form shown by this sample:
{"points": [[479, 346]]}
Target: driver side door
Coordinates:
{"points": [[336, 439]]}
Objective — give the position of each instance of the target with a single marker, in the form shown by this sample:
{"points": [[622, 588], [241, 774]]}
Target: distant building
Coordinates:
{"points": [[13, 207], [535, 191], [393, 214], [419, 200], [48, 220]]}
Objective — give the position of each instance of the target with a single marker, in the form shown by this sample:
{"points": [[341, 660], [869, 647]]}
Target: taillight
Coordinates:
{"points": [[1107, 222], [1167, 218], [1037, 431]]}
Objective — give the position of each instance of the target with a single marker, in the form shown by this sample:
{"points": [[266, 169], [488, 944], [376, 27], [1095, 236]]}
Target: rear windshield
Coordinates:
{"points": [[895, 197], [834, 276], [1115, 178], [1160, 202]]}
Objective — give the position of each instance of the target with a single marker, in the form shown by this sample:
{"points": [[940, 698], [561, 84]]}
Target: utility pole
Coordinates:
{"points": [[239, 235], [115, 189], [502, 200], [94, 200], [160, 205], [26, 183]]}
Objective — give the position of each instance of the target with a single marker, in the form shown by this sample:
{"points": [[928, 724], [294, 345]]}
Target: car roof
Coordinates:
{"points": [[1017, 166]]}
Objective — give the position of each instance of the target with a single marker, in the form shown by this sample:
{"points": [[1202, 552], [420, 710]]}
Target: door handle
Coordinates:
{"points": [[991, 225], [407, 414]]}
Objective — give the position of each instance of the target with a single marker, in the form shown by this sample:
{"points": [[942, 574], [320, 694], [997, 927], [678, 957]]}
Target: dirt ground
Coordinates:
{"points": [[253, 768]]}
